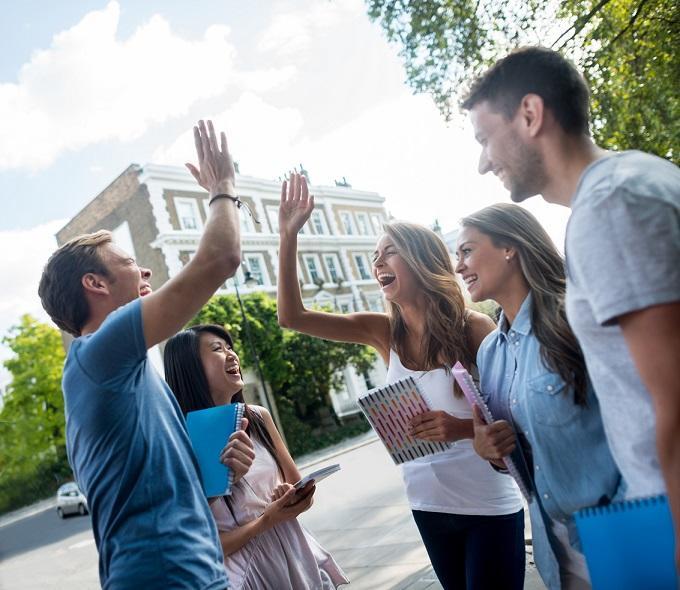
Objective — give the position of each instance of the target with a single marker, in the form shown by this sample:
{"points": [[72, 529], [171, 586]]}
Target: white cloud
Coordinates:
{"points": [[90, 86], [293, 30], [25, 252], [260, 137]]}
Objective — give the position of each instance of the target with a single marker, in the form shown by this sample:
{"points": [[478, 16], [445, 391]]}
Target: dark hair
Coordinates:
{"points": [[442, 300], [543, 269], [185, 375], [535, 70], [60, 289]]}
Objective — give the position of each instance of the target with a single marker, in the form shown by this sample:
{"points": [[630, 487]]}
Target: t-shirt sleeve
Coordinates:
{"points": [[116, 348], [624, 253]]}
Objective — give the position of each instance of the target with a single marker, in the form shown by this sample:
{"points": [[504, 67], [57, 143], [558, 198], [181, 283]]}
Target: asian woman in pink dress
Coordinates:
{"points": [[263, 543]]}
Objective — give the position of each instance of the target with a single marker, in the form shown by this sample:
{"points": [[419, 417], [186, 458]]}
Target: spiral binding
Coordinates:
{"points": [[633, 504], [238, 416]]}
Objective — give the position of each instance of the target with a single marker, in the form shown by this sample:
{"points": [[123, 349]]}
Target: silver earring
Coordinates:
{"points": [[507, 258]]}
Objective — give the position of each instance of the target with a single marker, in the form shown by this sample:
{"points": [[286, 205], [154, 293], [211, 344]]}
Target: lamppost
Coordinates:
{"points": [[251, 281]]}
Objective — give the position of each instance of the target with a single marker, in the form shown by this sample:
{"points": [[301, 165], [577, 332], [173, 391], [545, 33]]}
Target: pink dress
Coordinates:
{"points": [[283, 557]]}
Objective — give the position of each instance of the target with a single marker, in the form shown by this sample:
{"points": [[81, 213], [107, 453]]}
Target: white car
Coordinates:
{"points": [[70, 500]]}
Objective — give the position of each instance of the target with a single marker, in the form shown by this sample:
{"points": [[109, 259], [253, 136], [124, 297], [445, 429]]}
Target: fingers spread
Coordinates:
{"points": [[213, 138], [284, 186], [199, 144]]}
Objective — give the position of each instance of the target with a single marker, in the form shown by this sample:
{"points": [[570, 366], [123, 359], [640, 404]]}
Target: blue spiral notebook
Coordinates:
{"points": [[209, 432], [629, 545]]}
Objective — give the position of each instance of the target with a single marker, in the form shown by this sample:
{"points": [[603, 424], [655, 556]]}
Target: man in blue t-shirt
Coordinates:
{"points": [[125, 435], [530, 113]]}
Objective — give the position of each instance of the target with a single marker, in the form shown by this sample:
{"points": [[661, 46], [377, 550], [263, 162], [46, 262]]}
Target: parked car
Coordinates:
{"points": [[70, 500]]}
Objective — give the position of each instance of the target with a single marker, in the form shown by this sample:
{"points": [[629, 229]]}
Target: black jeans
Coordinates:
{"points": [[470, 552]]}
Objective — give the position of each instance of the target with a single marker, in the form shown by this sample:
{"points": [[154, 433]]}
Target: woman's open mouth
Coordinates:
{"points": [[386, 279]]}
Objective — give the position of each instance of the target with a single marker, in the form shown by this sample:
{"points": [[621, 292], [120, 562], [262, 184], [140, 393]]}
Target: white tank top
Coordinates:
{"points": [[456, 481]]}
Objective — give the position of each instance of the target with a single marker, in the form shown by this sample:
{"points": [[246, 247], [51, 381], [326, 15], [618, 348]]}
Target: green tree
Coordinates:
{"points": [[32, 441], [628, 50], [300, 371]]}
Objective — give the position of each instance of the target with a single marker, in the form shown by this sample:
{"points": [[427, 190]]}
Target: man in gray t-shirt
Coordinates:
{"points": [[622, 247], [530, 113]]}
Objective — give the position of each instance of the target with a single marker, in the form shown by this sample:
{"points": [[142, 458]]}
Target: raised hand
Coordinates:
{"points": [[439, 425], [215, 172], [492, 441], [296, 205], [238, 454]]}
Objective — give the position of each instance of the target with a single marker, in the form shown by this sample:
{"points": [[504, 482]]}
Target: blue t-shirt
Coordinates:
{"points": [[127, 443]]}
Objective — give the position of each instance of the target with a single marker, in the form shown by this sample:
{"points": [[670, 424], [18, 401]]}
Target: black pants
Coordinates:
{"points": [[474, 552]]}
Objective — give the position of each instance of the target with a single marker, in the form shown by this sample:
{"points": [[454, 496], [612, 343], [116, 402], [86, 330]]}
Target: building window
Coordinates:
{"points": [[375, 304], [333, 266], [246, 222], [319, 223], [273, 216], [377, 224], [313, 269], [187, 213], [345, 307], [362, 266], [347, 223], [363, 224], [257, 268]]}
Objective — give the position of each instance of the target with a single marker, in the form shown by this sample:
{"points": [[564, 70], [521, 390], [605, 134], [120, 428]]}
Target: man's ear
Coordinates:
{"points": [[532, 113], [95, 284]]}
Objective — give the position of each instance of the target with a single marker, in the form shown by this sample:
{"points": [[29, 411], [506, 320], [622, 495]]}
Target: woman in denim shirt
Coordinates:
{"points": [[533, 374]]}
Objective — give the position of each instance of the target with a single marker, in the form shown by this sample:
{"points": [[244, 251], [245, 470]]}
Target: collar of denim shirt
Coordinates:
{"points": [[522, 323]]}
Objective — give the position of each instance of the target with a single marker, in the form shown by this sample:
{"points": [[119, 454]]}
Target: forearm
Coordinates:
{"points": [[220, 245], [234, 540], [289, 299]]}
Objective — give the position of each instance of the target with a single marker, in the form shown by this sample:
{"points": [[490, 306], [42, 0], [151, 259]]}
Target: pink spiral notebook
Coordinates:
{"points": [[389, 410], [474, 397]]}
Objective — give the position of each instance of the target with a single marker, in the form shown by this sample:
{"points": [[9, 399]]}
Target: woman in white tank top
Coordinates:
{"points": [[470, 517]]}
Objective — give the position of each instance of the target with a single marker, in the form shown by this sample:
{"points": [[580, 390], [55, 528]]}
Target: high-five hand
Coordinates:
{"points": [[296, 205], [215, 172]]}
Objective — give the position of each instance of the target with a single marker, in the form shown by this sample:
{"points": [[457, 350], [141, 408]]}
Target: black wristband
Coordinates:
{"points": [[225, 196]]}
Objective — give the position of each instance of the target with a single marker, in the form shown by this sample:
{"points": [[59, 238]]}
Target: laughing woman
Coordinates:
{"points": [[534, 376], [264, 546], [470, 518]]}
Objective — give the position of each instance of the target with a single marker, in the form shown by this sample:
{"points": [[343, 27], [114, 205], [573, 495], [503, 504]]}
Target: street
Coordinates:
{"points": [[359, 514]]}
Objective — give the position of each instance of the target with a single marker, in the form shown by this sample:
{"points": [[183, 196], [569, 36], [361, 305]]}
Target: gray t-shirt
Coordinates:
{"points": [[623, 255]]}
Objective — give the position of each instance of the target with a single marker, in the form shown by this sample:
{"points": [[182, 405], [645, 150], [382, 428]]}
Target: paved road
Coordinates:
{"points": [[359, 514]]}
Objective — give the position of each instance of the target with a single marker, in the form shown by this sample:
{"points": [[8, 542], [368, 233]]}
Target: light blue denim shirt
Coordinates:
{"points": [[564, 443]]}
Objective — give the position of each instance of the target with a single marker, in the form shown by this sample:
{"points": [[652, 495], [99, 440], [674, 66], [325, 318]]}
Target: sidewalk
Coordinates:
{"points": [[362, 517]]}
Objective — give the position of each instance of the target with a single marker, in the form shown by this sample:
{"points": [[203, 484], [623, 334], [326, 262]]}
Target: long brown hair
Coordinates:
{"points": [[443, 304], [511, 226]]}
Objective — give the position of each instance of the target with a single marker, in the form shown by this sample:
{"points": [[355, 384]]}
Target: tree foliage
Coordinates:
{"points": [[300, 371], [628, 50], [32, 438]]}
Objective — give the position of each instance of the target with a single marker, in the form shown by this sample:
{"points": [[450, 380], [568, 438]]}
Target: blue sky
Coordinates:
{"points": [[88, 87]]}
